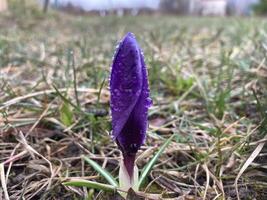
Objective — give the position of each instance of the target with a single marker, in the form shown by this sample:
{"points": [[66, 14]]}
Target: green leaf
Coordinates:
{"points": [[90, 184], [66, 115], [110, 179], [152, 162]]}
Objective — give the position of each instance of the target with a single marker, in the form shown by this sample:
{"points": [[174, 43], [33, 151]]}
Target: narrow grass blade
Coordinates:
{"points": [[77, 108], [3, 181], [90, 184], [151, 163], [100, 90], [110, 179], [250, 159], [65, 99]]}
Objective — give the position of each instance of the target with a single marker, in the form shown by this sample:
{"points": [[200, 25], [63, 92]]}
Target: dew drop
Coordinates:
{"points": [[149, 101], [117, 92], [116, 109], [128, 90]]}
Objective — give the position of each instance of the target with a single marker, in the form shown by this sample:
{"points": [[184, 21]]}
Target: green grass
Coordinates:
{"points": [[208, 83]]}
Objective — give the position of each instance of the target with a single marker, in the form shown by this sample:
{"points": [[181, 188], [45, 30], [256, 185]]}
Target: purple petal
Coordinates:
{"points": [[129, 96]]}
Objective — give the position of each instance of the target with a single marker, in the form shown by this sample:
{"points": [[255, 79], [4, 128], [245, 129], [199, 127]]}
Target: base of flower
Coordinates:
{"points": [[127, 181]]}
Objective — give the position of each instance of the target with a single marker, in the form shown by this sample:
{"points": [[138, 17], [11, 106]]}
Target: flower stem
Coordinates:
{"points": [[128, 174]]}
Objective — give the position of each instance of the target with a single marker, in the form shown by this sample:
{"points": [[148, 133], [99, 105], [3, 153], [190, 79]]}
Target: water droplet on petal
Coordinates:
{"points": [[116, 92], [149, 101]]}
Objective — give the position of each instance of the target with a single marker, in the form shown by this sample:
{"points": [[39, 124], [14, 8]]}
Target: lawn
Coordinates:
{"points": [[208, 84]]}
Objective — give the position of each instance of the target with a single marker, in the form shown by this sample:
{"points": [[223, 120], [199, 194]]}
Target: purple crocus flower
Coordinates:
{"points": [[129, 99]]}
